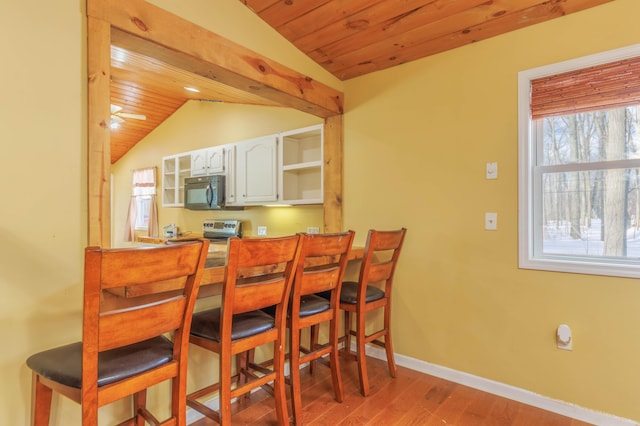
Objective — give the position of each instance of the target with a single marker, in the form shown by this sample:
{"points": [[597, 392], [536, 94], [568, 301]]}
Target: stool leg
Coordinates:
{"points": [[279, 391], [225, 387], [347, 332], [294, 364], [334, 360], [388, 345], [362, 357], [243, 362], [41, 402], [313, 342], [139, 404]]}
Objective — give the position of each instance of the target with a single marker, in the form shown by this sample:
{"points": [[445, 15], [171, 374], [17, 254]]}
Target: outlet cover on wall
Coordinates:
{"points": [[313, 230], [262, 231]]}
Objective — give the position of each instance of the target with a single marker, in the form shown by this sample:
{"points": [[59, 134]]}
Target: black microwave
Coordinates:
{"points": [[204, 193]]}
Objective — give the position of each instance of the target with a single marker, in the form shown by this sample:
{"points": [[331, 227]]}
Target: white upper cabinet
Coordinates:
{"points": [[301, 166], [207, 161], [174, 169], [257, 171], [283, 168]]}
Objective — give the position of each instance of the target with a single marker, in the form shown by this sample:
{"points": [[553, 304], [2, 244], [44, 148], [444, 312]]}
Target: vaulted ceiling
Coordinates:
{"points": [[348, 38]]}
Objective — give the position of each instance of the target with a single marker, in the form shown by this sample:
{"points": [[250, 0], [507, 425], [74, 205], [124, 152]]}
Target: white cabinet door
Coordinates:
{"points": [[207, 161], [215, 160], [199, 162], [257, 171]]}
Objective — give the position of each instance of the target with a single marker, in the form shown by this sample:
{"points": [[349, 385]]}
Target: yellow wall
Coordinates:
{"points": [[43, 221], [200, 125], [417, 138], [461, 298]]}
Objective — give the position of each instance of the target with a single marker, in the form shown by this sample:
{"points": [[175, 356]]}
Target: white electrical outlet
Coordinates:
{"points": [[262, 231], [564, 338], [313, 230]]}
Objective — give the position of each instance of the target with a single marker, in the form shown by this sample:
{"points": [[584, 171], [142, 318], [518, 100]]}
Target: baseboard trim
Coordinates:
{"points": [[504, 390], [486, 385]]}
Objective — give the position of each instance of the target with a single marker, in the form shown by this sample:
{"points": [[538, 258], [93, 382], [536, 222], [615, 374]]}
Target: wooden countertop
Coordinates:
{"points": [[212, 277], [159, 240]]}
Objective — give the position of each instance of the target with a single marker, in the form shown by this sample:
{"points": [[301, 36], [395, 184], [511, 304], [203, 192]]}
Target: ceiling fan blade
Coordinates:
{"points": [[115, 109], [134, 116], [116, 119]]}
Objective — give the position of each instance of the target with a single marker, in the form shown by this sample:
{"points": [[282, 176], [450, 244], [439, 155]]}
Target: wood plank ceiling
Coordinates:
{"points": [[356, 37], [348, 38]]}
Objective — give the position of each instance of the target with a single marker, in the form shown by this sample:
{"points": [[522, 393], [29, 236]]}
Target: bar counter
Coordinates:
{"points": [[213, 274]]}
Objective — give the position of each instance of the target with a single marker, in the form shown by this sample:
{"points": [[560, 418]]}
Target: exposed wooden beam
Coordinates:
{"points": [[154, 32]]}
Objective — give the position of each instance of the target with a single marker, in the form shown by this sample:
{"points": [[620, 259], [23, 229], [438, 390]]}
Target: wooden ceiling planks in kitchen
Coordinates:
{"points": [[147, 86], [133, 99]]}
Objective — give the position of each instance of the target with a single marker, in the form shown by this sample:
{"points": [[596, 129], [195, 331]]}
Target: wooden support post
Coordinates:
{"points": [[333, 174], [99, 153]]}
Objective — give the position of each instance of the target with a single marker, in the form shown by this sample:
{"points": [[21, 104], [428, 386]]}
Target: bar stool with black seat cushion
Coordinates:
{"points": [[323, 260], [123, 349], [371, 292], [259, 274]]}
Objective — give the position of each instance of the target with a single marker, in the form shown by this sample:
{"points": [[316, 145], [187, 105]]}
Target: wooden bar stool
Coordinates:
{"points": [[371, 292], [123, 350], [259, 274], [323, 260]]}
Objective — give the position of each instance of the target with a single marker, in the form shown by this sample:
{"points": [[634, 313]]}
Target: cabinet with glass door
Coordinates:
{"points": [[175, 168]]}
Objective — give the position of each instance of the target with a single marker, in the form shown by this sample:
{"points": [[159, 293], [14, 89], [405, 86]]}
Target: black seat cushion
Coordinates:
{"points": [[64, 364], [349, 293], [310, 304], [206, 324]]}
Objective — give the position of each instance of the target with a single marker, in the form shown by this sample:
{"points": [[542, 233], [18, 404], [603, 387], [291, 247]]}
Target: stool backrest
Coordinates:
{"points": [[381, 254], [259, 274], [112, 320], [321, 266]]}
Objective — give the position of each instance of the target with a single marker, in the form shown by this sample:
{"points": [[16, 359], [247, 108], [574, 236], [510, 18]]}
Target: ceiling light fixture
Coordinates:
{"points": [[191, 89]]}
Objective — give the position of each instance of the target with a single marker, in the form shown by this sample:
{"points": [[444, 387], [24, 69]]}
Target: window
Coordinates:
{"points": [[143, 210], [579, 165], [142, 213]]}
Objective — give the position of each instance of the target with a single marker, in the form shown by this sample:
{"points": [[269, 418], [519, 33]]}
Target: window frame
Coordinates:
{"points": [[529, 172]]}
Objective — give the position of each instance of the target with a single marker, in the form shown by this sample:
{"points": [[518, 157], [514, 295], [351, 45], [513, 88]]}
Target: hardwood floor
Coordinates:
{"points": [[412, 398]]}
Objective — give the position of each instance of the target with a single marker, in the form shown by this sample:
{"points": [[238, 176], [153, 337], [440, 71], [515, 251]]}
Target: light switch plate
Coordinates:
{"points": [[262, 231], [492, 170], [491, 221]]}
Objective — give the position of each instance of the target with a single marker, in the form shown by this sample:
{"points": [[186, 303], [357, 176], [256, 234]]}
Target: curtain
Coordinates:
{"points": [[143, 184]]}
